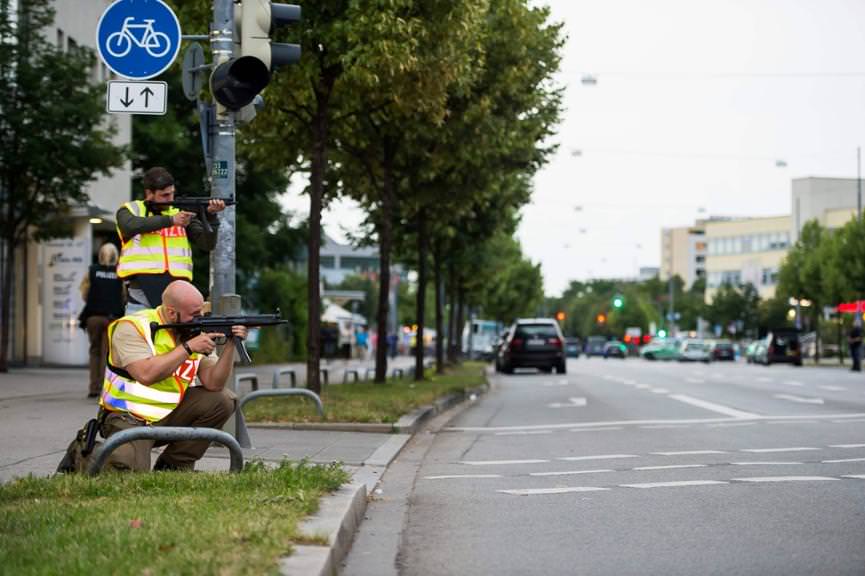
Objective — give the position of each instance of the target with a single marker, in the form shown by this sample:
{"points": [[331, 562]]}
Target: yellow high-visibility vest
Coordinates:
{"points": [[122, 393], [157, 252]]}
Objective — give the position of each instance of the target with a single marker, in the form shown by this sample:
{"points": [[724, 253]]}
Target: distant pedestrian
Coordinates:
{"points": [[102, 292], [854, 339]]}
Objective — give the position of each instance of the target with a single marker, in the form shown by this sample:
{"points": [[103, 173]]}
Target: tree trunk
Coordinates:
{"points": [[461, 320], [6, 273], [421, 293], [439, 286], [385, 237], [318, 167]]}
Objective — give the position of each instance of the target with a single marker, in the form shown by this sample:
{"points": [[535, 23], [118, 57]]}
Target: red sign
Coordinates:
{"points": [[851, 307]]}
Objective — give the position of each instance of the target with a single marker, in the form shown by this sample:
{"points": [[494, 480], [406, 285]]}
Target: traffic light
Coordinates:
{"points": [[560, 316], [238, 81], [601, 318], [618, 301]]}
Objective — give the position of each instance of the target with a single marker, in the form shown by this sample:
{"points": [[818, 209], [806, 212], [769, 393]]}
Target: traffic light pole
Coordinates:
{"points": [[222, 169]]}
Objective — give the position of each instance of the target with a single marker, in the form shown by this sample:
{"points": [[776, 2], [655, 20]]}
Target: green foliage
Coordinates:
{"points": [[284, 290]]}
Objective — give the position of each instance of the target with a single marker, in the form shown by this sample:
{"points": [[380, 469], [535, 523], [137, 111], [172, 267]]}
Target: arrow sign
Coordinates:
{"points": [[572, 403], [800, 399], [125, 97]]}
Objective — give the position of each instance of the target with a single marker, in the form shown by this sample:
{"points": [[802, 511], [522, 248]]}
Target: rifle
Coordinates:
{"points": [[197, 204], [222, 324]]}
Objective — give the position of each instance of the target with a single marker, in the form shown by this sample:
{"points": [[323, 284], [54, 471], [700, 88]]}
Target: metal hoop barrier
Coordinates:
{"points": [[168, 434], [241, 432], [279, 372], [250, 377]]}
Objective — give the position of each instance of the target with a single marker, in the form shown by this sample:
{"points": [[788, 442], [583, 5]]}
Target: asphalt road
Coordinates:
{"points": [[633, 467]]}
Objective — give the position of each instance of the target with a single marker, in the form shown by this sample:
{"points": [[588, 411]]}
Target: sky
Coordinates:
{"points": [[699, 108]]}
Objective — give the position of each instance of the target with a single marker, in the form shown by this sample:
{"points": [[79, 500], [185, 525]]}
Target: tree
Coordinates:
{"points": [[54, 138]]}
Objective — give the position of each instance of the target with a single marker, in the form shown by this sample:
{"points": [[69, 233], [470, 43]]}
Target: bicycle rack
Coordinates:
{"points": [[242, 433], [350, 372], [167, 434], [247, 376], [279, 372]]}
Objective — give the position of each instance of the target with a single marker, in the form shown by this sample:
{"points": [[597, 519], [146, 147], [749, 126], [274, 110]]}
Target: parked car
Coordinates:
{"points": [[722, 350], [533, 343], [572, 347], [780, 346], [660, 349], [595, 346], [753, 350], [694, 351], [615, 349]]}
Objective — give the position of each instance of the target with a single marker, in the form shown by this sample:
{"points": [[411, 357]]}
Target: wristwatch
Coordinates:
{"points": [[187, 348]]}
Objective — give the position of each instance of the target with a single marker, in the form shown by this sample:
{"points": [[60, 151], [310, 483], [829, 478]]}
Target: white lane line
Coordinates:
{"points": [[570, 472], [688, 453], [628, 382], [524, 432], [664, 426], [563, 381], [674, 484], [550, 384], [846, 421], [726, 410], [793, 383], [670, 467], [768, 450], [695, 380], [799, 399], [730, 424], [832, 388], [597, 457], [595, 429], [502, 462], [643, 386], [840, 460], [659, 391], [847, 446], [793, 422], [783, 479], [766, 463], [764, 379], [541, 491], [456, 476], [854, 476], [571, 403]]}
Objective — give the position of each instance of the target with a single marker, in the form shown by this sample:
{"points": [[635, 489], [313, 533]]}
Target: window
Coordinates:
{"points": [[61, 40], [358, 263], [327, 262]]}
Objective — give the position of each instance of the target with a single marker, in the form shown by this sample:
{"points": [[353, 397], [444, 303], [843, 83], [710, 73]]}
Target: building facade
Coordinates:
{"points": [[746, 250], [683, 253], [830, 201], [45, 299]]}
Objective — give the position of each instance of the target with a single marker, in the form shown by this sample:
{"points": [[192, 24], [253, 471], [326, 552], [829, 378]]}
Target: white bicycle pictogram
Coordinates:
{"points": [[156, 44]]}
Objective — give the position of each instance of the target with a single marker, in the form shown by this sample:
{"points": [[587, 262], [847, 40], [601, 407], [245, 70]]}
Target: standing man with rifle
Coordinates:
{"points": [[156, 234]]}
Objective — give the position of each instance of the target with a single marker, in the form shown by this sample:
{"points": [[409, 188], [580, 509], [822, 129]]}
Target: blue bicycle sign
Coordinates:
{"points": [[138, 39]]}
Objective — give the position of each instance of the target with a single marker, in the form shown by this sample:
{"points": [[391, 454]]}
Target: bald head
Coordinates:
{"points": [[184, 299]]}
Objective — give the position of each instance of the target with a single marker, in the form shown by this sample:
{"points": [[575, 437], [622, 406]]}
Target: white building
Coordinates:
{"points": [[683, 253], [830, 201]]}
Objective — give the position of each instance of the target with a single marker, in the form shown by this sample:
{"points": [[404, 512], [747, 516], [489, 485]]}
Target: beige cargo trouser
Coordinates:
{"points": [[199, 407]]}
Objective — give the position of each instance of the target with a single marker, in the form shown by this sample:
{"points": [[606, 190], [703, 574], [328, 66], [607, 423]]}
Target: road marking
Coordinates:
{"points": [[569, 472], [629, 382], [524, 432], [765, 463], [643, 386], [598, 457], [854, 476], [764, 379], [550, 384], [726, 410], [659, 391], [502, 462], [783, 479], [800, 399], [847, 446], [670, 467], [665, 426], [470, 476], [832, 388], [572, 403], [563, 381], [768, 450], [730, 424], [839, 461], [674, 484], [695, 380], [540, 491], [688, 453], [793, 422], [595, 429], [793, 383], [850, 420]]}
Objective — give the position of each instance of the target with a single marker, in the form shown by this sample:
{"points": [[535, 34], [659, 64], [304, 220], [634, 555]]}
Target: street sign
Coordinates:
{"points": [[136, 97], [193, 69], [138, 39]]}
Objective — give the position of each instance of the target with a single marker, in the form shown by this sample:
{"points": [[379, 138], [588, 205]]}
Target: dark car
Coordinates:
{"points": [[595, 346], [533, 343], [722, 350], [780, 346], [615, 349], [572, 347]]}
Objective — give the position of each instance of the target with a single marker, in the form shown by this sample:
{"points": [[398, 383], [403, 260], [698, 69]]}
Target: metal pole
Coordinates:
{"points": [[671, 313], [222, 172], [859, 182]]}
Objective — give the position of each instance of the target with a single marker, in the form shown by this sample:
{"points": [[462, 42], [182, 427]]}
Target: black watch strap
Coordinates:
{"points": [[187, 348]]}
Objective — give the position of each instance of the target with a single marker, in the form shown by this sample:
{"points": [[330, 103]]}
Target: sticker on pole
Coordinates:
{"points": [[138, 39]]}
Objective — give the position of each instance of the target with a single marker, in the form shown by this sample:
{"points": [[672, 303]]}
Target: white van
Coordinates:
{"points": [[483, 335]]}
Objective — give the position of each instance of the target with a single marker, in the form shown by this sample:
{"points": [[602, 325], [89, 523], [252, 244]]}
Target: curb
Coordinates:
{"points": [[341, 513]]}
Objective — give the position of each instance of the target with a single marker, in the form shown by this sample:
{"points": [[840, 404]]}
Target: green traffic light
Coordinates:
{"points": [[618, 302], [662, 333]]}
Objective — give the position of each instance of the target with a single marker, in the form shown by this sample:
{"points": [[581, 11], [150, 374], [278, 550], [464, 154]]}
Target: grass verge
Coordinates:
{"points": [[159, 523], [367, 401]]}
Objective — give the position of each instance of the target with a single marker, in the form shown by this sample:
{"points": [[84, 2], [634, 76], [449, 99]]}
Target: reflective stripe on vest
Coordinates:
{"points": [[150, 403], [157, 252]]}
